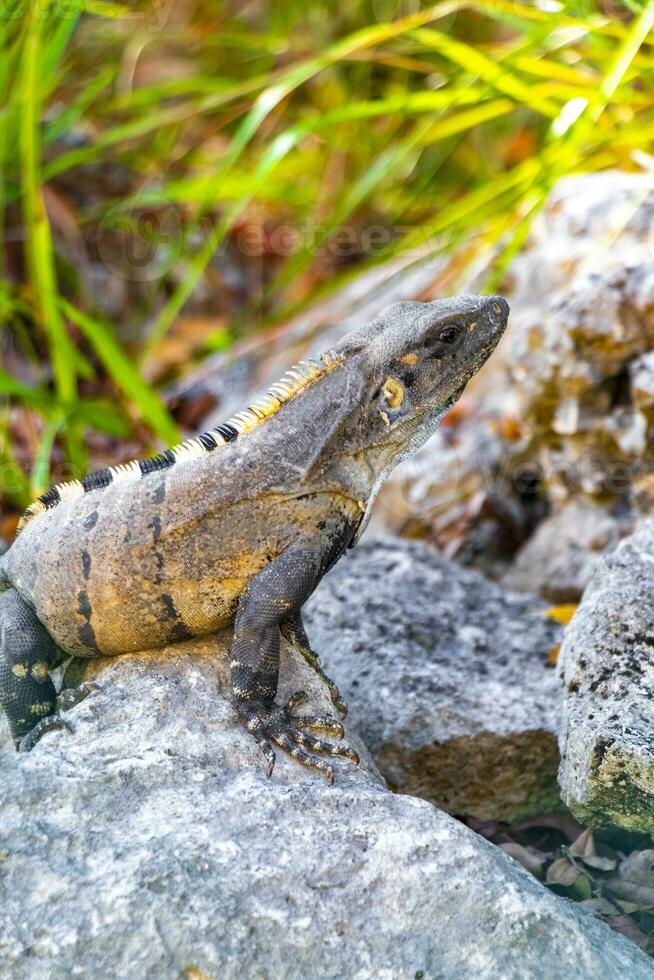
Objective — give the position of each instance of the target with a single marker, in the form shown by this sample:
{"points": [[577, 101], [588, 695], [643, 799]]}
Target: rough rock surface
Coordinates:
{"points": [[446, 677], [607, 738], [559, 559], [149, 844], [582, 319]]}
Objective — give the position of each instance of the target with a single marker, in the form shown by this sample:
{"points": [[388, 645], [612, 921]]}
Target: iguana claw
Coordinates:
{"points": [[277, 725]]}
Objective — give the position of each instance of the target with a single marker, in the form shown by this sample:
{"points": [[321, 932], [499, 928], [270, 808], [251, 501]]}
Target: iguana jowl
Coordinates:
{"points": [[238, 524]]}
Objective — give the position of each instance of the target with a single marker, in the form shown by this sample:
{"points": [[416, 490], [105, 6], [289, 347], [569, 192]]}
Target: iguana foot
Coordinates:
{"points": [[294, 632], [276, 724], [67, 699]]}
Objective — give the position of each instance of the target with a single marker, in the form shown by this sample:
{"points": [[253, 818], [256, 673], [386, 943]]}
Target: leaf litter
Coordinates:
{"points": [[607, 870]]}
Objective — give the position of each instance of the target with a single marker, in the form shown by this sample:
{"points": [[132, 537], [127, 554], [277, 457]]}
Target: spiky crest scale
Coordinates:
{"points": [[295, 380]]}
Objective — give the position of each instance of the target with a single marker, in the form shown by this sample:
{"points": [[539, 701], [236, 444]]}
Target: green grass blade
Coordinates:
{"points": [[40, 475], [15, 484], [40, 252], [479, 66], [265, 103], [125, 375]]}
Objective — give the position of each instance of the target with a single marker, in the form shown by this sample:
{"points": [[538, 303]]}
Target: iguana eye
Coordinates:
{"points": [[392, 393], [451, 333]]}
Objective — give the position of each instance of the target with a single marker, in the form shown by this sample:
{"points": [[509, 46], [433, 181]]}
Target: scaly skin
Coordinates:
{"points": [[243, 532]]}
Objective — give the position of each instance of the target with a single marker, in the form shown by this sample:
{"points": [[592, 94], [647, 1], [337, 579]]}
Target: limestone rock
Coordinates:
{"points": [[150, 844], [607, 738], [582, 320], [446, 677], [559, 559], [564, 410]]}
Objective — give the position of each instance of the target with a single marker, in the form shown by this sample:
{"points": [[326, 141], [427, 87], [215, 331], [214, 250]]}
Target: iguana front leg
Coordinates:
{"points": [[293, 630], [271, 598]]}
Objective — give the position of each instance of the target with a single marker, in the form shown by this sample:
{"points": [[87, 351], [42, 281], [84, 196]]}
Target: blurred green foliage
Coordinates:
{"points": [[227, 162]]}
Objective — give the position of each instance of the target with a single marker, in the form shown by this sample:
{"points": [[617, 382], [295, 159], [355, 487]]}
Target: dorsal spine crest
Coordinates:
{"points": [[295, 380]]}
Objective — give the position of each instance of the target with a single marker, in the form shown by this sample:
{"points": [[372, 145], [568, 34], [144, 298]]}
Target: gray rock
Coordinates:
{"points": [[607, 658], [559, 559], [582, 302], [641, 374], [446, 676], [150, 844]]}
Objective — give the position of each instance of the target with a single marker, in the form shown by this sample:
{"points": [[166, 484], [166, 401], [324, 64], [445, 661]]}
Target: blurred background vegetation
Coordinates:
{"points": [[175, 174]]}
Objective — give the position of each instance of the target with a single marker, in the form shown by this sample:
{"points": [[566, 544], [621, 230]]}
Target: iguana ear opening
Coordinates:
{"points": [[392, 393], [392, 400]]}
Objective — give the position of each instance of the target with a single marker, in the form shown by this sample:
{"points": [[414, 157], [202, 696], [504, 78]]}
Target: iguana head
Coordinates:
{"points": [[414, 361], [398, 376]]}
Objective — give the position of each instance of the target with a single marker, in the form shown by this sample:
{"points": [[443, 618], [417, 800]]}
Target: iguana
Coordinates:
{"points": [[238, 524]]}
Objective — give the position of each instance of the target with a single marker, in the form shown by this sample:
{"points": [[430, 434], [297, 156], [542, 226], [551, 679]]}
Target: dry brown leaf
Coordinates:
{"points": [[584, 848], [600, 905], [628, 907], [562, 872], [8, 525], [563, 822], [584, 844], [627, 927], [511, 429], [553, 655], [178, 347]]}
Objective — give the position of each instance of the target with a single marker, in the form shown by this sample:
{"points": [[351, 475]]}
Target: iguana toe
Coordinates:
{"points": [[266, 748], [320, 723], [72, 696], [337, 700], [51, 723], [334, 692], [66, 700]]}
